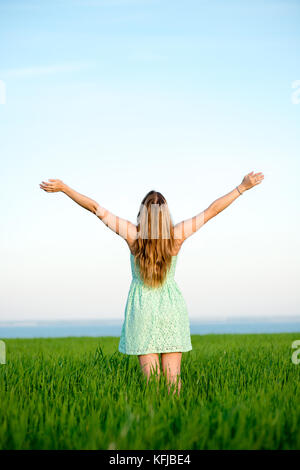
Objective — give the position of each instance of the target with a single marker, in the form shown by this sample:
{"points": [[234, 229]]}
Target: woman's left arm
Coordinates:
{"points": [[122, 227]]}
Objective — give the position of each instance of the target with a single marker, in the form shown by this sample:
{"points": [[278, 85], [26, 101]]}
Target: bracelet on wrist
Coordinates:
{"points": [[239, 190]]}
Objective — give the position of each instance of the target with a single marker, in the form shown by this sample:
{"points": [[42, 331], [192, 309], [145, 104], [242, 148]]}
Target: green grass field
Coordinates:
{"points": [[238, 392]]}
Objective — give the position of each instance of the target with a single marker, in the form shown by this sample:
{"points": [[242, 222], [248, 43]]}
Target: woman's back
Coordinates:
{"points": [[136, 276]]}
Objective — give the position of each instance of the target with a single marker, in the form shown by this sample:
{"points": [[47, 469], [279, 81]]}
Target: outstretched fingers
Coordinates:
{"points": [[51, 187], [258, 177], [255, 178], [46, 186]]}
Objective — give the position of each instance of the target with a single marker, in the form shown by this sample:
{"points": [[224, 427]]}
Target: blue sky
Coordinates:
{"points": [[120, 97]]}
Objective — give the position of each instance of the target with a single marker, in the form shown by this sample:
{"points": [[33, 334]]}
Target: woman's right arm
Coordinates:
{"points": [[187, 227]]}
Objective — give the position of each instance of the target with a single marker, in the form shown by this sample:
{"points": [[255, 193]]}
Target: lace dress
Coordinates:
{"points": [[156, 320]]}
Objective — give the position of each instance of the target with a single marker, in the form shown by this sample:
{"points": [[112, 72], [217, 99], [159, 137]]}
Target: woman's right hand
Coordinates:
{"points": [[251, 180]]}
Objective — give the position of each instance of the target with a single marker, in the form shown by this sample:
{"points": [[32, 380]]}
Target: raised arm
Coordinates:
{"points": [[120, 226], [187, 227]]}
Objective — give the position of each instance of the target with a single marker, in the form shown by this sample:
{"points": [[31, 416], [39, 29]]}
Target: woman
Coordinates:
{"points": [[156, 318]]}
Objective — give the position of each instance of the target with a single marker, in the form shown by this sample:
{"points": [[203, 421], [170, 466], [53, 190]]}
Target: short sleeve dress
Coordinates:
{"points": [[156, 319]]}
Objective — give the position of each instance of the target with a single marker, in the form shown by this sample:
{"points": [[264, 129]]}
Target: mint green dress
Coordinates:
{"points": [[156, 320]]}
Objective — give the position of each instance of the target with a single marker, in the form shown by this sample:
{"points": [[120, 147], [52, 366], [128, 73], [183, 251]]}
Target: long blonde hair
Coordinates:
{"points": [[155, 240]]}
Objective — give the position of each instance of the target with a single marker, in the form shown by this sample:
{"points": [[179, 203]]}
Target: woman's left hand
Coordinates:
{"points": [[52, 187]]}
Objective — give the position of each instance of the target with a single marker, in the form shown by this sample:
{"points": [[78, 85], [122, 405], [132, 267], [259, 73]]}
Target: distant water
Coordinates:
{"points": [[113, 328]]}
